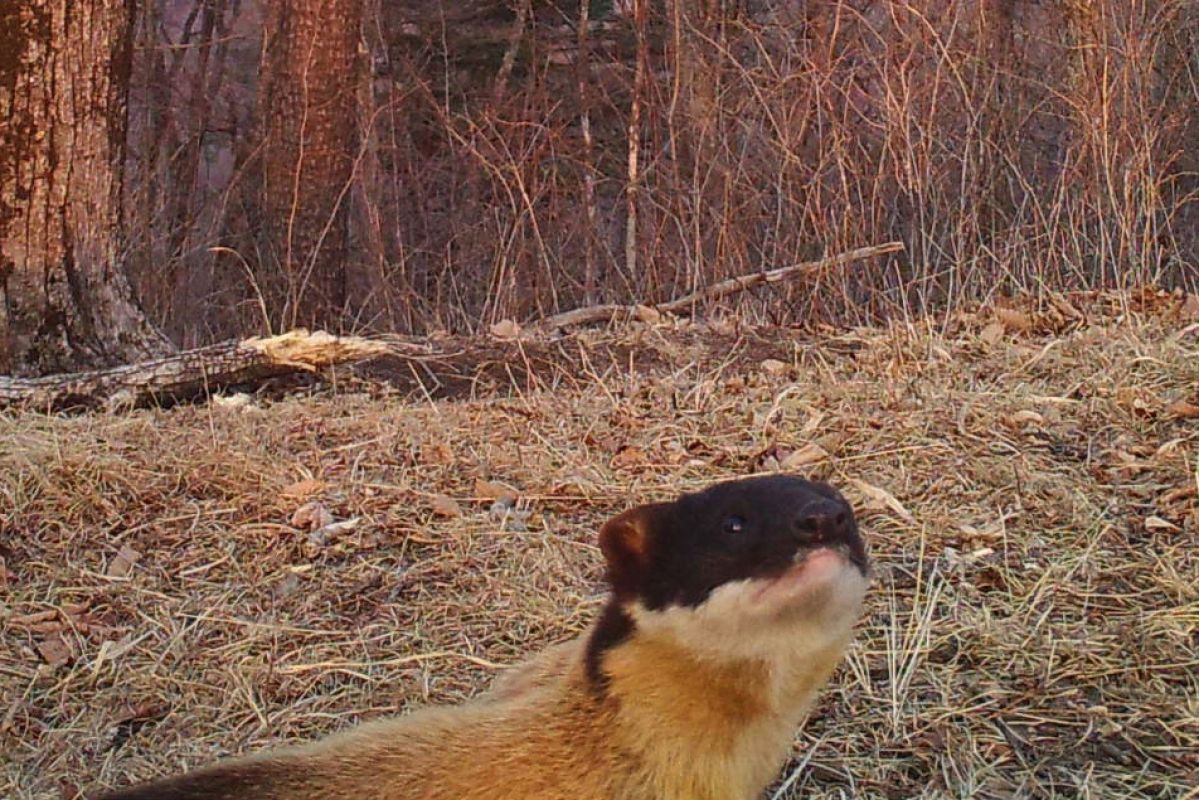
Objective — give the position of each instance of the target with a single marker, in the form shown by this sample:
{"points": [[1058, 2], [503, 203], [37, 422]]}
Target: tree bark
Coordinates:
{"points": [[311, 69], [64, 301]]}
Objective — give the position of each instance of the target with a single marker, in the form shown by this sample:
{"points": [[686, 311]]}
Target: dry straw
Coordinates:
{"points": [[1027, 478]]}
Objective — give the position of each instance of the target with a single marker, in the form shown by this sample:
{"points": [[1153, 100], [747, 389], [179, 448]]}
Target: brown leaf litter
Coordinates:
{"points": [[1029, 495]]}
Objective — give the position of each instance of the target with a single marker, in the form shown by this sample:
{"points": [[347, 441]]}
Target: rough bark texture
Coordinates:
{"points": [[189, 373], [64, 302], [311, 69]]}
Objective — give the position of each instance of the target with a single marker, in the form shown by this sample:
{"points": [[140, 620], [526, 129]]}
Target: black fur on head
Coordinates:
{"points": [[677, 553]]}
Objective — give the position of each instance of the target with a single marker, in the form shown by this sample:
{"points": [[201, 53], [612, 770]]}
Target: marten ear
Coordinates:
{"points": [[625, 542]]}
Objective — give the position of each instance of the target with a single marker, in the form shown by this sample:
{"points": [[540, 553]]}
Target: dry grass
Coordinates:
{"points": [[1034, 630]]}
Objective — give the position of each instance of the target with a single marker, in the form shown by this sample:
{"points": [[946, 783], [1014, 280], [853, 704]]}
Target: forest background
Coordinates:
{"points": [[410, 166]]}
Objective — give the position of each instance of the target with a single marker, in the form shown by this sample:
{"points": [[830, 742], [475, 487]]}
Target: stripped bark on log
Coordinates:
{"points": [[191, 372]]}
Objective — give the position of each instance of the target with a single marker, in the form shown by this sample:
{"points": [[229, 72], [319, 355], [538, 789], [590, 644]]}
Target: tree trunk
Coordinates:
{"points": [[311, 68], [64, 302]]}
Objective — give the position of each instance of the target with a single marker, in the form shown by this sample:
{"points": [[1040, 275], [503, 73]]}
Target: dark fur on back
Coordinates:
{"points": [[221, 782]]}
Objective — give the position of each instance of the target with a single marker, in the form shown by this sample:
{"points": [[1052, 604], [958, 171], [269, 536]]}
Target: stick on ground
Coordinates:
{"points": [[607, 313]]}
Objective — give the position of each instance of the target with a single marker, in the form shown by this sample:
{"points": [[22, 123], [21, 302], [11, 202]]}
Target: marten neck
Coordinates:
{"points": [[705, 724]]}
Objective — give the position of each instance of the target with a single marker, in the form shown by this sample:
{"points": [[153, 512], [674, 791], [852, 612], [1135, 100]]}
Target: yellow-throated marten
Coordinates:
{"points": [[729, 608]]}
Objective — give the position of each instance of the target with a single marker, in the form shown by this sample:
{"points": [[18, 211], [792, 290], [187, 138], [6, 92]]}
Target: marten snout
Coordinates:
{"points": [[830, 522], [824, 522]]}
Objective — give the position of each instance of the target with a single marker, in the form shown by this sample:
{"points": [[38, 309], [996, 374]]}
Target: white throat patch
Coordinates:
{"points": [[751, 618]]}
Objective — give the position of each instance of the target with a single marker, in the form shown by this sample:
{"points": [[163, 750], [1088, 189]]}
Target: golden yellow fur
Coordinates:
{"points": [[671, 726]]}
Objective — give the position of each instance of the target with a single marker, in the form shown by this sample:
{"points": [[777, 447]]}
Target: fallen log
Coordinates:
{"points": [[200, 371], [715, 291], [190, 372]]}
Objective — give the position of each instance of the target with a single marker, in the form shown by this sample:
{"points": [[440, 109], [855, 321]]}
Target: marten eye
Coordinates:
{"points": [[733, 525]]}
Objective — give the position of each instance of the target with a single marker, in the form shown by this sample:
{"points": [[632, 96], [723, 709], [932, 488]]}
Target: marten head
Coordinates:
{"points": [[735, 568]]}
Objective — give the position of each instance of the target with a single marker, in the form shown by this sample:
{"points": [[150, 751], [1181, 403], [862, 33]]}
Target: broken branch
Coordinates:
{"points": [[607, 313]]}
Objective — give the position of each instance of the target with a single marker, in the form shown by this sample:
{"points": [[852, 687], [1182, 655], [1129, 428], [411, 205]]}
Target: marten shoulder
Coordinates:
{"points": [[728, 610], [546, 668]]}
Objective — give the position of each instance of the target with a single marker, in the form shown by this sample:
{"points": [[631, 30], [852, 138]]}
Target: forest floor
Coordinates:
{"points": [[1026, 478]]}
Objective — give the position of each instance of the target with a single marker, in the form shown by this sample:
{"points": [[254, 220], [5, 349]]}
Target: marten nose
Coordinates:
{"points": [[824, 522]]}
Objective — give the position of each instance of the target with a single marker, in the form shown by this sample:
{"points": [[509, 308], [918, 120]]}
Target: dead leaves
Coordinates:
{"points": [[446, 506], [876, 498], [506, 329], [783, 458], [629, 456], [992, 333], [647, 315], [1189, 311], [320, 523], [62, 630], [1156, 523], [235, 402], [722, 325], [921, 433], [1023, 419], [1177, 499], [493, 490], [1014, 321], [303, 489], [56, 651], [503, 507], [140, 712], [1143, 403], [805, 456], [1009, 322], [311, 516], [122, 564], [772, 366], [1018, 318], [1182, 409], [1176, 508], [437, 454], [956, 561], [67, 617], [1155, 300]]}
